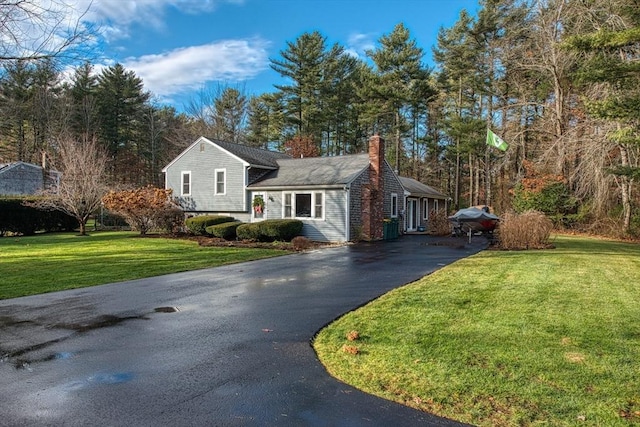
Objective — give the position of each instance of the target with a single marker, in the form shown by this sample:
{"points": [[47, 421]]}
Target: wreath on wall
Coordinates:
{"points": [[258, 205]]}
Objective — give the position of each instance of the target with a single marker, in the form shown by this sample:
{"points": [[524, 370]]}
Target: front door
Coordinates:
{"points": [[412, 214]]}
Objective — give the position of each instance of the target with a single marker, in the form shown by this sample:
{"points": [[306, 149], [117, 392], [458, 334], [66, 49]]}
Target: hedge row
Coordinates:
{"points": [[15, 217], [198, 224], [270, 230]]}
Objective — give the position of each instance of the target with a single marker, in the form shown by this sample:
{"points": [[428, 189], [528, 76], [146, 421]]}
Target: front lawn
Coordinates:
{"points": [[546, 337], [54, 262]]}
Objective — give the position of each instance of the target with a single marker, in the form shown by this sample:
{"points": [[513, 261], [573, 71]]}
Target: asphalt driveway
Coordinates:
{"points": [[221, 346]]}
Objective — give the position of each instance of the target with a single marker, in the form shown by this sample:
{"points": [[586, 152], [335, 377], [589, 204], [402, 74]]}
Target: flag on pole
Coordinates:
{"points": [[496, 141]]}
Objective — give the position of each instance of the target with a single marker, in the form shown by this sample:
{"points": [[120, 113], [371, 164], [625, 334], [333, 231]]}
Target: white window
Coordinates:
{"points": [[221, 181], [186, 183], [317, 205], [394, 205], [303, 205], [425, 209], [287, 205]]}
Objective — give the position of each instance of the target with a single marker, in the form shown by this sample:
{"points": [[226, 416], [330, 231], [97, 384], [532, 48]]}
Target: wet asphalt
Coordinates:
{"points": [[214, 347]]}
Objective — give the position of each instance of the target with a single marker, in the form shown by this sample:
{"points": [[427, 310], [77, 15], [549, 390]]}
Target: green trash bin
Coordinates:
{"points": [[395, 228]]}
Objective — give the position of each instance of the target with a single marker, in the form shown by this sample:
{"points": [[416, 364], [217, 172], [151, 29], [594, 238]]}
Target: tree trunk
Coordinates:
{"points": [[626, 185]]}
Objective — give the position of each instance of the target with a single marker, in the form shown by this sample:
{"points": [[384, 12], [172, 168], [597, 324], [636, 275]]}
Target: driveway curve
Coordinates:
{"points": [[221, 346]]}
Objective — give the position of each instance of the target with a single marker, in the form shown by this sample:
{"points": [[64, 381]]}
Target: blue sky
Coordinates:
{"points": [[180, 47]]}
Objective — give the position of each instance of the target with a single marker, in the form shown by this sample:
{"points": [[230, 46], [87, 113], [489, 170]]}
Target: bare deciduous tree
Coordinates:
{"points": [[35, 30], [83, 184]]}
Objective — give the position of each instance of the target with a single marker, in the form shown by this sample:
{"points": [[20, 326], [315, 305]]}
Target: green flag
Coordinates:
{"points": [[496, 141]]}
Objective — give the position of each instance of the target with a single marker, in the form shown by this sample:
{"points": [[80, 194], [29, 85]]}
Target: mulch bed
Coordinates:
{"points": [[208, 241]]}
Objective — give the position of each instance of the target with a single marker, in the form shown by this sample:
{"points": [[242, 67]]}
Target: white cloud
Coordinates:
{"points": [[190, 68], [114, 17], [358, 43]]}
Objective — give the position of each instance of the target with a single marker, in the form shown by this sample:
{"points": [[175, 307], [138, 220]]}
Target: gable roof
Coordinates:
{"points": [[7, 166], [252, 156], [315, 171], [418, 189]]}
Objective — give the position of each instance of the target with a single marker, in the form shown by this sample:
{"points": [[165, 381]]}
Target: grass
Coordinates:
{"points": [[548, 337], [53, 262]]}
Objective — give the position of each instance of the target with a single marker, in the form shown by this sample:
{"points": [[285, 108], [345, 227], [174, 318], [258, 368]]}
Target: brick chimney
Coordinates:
{"points": [[373, 192]]}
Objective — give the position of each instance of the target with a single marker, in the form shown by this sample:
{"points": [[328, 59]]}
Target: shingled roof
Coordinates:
{"points": [[314, 171], [253, 156], [418, 189]]}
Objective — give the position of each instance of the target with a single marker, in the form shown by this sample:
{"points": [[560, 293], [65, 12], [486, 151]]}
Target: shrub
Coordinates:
{"points": [[143, 208], [198, 224], [300, 243], [226, 230], [439, 223], [270, 230], [18, 216], [170, 220], [528, 230], [248, 231], [280, 229]]}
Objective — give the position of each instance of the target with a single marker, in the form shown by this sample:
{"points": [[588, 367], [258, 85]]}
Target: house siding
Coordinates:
{"points": [[355, 206], [391, 185], [330, 229], [21, 179], [199, 160]]}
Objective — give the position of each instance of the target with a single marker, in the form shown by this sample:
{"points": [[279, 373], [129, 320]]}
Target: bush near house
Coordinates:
{"points": [[270, 230], [144, 208], [198, 224], [226, 230]]}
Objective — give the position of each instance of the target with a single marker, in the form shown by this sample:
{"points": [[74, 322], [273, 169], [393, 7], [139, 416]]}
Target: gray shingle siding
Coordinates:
{"points": [[355, 205], [21, 179], [391, 185]]}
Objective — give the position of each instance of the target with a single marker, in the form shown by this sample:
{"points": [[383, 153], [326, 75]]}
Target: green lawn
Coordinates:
{"points": [[506, 338], [53, 262]]}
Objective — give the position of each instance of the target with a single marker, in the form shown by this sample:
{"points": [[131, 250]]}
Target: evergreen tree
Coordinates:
{"points": [[457, 56], [83, 105], [398, 74], [265, 121], [29, 103], [230, 115], [311, 69], [612, 69], [121, 100]]}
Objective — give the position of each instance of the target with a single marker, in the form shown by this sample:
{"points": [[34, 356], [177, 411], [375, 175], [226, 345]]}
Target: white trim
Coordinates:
{"points": [[347, 222], [394, 214], [182, 175], [425, 212], [197, 142], [413, 217], [215, 182], [313, 205]]}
